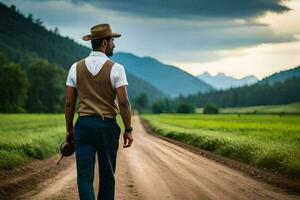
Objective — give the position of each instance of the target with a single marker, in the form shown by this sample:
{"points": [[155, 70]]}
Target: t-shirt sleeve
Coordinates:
{"points": [[118, 76], [71, 79]]}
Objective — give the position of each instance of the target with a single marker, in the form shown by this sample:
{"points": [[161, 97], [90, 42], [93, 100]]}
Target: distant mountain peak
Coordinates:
{"points": [[170, 79], [221, 74], [206, 73], [222, 81]]}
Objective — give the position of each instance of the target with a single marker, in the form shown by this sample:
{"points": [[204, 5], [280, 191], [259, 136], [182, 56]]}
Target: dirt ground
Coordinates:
{"points": [[152, 168]]}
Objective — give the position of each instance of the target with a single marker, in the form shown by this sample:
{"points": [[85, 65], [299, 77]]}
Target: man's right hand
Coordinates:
{"points": [[127, 136], [70, 136]]}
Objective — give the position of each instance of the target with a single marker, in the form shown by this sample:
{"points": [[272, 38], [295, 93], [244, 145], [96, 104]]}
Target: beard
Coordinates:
{"points": [[109, 52]]}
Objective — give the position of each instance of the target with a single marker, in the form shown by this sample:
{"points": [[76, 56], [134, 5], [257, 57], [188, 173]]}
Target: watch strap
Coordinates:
{"points": [[128, 129]]}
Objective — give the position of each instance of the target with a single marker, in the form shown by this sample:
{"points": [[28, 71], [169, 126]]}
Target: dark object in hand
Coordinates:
{"points": [[66, 149]]}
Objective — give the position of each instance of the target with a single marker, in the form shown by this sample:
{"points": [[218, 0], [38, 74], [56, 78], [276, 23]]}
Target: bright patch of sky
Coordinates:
{"points": [[260, 60]]}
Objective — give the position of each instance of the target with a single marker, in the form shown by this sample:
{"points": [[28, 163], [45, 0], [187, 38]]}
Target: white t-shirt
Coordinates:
{"points": [[94, 63]]}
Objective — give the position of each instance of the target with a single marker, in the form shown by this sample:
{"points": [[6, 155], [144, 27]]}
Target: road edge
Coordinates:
{"points": [[20, 180], [291, 186]]}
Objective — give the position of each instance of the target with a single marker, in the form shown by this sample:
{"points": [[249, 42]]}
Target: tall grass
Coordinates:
{"points": [[25, 137], [267, 141]]}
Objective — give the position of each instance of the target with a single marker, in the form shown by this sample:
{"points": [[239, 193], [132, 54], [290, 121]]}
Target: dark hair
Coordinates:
{"points": [[96, 43]]}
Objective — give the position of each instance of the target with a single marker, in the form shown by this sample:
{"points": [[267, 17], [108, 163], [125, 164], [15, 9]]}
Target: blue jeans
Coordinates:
{"points": [[93, 134]]}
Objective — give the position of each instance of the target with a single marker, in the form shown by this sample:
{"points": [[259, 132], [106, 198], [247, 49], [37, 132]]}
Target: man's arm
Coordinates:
{"points": [[71, 96], [125, 111]]}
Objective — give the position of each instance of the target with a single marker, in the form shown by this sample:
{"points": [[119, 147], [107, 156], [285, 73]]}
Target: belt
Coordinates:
{"points": [[98, 116]]}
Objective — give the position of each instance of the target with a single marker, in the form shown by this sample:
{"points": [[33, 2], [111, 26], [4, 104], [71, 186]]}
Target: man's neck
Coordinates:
{"points": [[99, 50]]}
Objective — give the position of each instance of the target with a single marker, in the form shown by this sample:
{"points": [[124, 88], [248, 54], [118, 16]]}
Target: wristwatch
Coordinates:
{"points": [[128, 129]]}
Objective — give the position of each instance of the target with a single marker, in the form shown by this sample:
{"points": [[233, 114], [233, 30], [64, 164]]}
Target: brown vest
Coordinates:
{"points": [[96, 93]]}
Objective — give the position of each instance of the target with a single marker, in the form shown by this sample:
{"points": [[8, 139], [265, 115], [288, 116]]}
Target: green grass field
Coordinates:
{"points": [[24, 137], [267, 141], [293, 108]]}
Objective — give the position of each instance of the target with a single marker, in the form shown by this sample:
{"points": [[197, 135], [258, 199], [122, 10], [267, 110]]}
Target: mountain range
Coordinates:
{"points": [[277, 89], [169, 79], [222, 82], [23, 39], [281, 76]]}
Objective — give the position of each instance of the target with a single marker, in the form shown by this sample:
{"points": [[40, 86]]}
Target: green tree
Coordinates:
{"points": [[185, 107], [158, 107], [164, 106], [13, 86], [211, 109], [46, 87], [30, 17], [141, 103]]}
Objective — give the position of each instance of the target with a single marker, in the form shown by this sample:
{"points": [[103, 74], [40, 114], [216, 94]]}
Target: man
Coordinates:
{"points": [[97, 81]]}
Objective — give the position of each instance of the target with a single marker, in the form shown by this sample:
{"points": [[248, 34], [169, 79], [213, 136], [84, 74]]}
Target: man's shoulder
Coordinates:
{"points": [[82, 59], [73, 66], [117, 65], [75, 63]]}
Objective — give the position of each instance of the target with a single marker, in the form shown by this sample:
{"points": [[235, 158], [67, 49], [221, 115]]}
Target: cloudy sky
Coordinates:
{"points": [[236, 37]]}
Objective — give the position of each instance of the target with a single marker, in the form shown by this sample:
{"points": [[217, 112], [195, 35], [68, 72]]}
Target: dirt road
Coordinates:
{"points": [[156, 169]]}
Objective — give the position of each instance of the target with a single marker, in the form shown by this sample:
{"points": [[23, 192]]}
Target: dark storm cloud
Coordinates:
{"points": [[168, 38], [192, 8]]}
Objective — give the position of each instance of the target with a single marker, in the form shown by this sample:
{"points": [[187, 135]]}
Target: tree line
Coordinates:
{"points": [[23, 42], [24, 37], [33, 63], [31, 84], [257, 94], [38, 87]]}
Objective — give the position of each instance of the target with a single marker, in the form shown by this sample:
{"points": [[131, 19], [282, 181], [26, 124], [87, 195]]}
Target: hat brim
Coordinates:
{"points": [[89, 37]]}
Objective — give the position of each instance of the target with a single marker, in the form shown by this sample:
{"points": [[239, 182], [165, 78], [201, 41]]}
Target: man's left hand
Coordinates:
{"points": [[127, 139]]}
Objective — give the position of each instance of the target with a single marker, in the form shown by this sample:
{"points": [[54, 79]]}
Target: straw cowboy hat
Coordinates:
{"points": [[100, 31]]}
